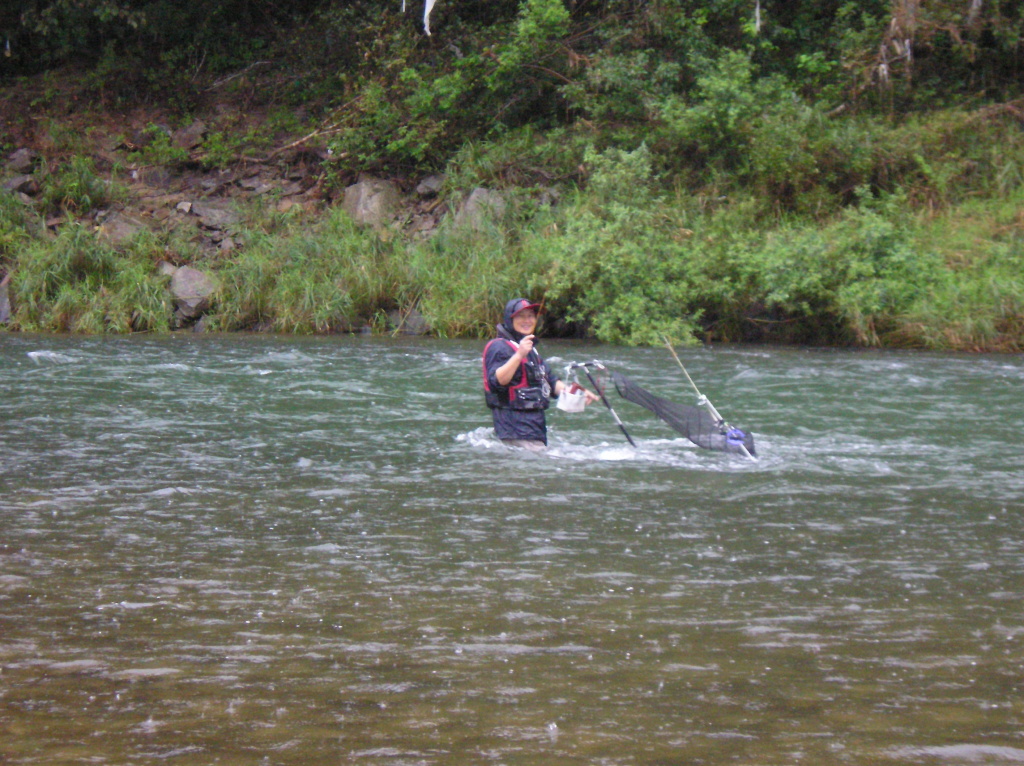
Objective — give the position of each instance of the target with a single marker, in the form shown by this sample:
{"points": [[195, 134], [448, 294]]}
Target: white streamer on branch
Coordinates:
{"points": [[973, 11], [428, 6]]}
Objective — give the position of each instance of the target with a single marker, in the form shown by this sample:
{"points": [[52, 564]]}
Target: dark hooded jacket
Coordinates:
{"points": [[510, 420]]}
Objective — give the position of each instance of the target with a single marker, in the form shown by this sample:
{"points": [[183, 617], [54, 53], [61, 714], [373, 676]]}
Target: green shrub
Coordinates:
{"points": [[159, 149], [631, 267], [612, 266], [628, 87], [524, 158], [223, 149], [76, 188]]}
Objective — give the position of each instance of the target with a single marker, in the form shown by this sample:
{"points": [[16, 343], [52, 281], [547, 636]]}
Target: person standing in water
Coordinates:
{"points": [[518, 383]]}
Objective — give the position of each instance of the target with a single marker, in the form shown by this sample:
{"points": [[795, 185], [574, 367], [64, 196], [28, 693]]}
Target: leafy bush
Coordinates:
{"points": [[611, 266], [627, 87], [540, 24], [414, 107], [631, 267], [717, 120], [524, 158], [222, 149]]}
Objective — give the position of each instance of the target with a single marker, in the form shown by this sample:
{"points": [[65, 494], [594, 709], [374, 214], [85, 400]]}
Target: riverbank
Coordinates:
{"points": [[618, 260], [223, 205]]}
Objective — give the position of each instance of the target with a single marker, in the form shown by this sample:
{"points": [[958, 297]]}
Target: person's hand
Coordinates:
{"points": [[525, 347], [589, 397]]}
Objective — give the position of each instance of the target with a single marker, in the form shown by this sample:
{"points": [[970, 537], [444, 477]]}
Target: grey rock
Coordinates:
{"points": [[118, 228], [158, 177], [216, 185], [166, 268], [430, 186], [190, 137], [252, 183], [483, 205], [191, 291], [23, 161], [22, 184], [215, 215], [372, 201], [422, 224]]}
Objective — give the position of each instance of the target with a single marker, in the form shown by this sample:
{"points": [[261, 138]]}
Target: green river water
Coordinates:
{"points": [[276, 550]]}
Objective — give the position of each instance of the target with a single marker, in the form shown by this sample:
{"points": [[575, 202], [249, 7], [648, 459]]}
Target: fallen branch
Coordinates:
{"points": [[321, 131], [236, 75]]}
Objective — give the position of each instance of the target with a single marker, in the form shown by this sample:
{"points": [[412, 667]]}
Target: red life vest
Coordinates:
{"points": [[532, 392]]}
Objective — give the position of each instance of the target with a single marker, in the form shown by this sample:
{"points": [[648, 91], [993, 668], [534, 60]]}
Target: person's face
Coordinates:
{"points": [[525, 322]]}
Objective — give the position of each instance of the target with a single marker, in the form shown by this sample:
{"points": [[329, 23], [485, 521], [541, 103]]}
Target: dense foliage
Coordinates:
{"points": [[781, 170]]}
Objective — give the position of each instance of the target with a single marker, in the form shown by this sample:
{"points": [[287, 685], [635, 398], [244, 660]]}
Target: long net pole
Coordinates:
{"points": [[600, 392]]}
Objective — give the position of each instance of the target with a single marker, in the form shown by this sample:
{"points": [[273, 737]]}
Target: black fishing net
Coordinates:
{"points": [[695, 423]]}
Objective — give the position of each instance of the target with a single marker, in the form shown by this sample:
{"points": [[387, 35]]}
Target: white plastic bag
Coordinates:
{"points": [[572, 399]]}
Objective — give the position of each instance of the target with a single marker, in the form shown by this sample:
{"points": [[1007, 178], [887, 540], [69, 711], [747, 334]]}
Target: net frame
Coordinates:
{"points": [[695, 423]]}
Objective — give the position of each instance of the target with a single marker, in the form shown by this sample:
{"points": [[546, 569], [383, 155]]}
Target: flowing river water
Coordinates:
{"points": [[277, 550]]}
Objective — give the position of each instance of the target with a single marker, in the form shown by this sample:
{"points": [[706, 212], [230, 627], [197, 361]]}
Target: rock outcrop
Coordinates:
{"points": [[191, 291]]}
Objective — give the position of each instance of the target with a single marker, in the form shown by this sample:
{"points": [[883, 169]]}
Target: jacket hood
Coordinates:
{"points": [[512, 308]]}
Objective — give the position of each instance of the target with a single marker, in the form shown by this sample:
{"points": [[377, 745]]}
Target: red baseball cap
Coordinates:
{"points": [[522, 304]]}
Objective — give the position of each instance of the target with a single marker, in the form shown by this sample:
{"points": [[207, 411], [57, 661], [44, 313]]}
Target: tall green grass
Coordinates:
{"points": [[17, 225], [336, 276], [977, 301], [332, 277], [75, 187], [461, 279], [78, 283]]}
